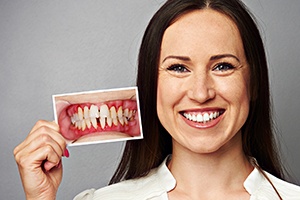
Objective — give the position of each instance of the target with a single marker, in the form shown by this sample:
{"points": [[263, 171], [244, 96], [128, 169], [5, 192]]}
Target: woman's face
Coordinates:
{"points": [[203, 85]]}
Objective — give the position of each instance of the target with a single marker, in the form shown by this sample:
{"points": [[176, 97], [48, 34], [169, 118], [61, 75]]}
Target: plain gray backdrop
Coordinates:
{"points": [[53, 47]]}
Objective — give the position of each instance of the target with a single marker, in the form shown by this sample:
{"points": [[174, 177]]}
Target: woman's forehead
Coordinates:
{"points": [[202, 30]]}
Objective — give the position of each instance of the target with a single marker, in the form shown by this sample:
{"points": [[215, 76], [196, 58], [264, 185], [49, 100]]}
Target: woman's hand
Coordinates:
{"points": [[39, 160]]}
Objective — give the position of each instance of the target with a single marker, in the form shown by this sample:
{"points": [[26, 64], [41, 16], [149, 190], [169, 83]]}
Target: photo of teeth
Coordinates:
{"points": [[104, 115]]}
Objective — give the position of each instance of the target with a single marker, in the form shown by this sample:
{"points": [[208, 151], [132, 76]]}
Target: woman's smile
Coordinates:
{"points": [[203, 118]]}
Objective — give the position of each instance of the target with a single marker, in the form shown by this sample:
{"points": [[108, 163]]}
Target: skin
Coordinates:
{"points": [[194, 79]]}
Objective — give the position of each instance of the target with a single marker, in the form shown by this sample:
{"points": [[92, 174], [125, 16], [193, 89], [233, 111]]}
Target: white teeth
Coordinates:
{"points": [[202, 118], [199, 118], [194, 118], [215, 114], [205, 117], [88, 117]]}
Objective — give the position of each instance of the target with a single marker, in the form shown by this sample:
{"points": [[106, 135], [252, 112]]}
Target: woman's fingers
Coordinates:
{"points": [[35, 159], [43, 152], [43, 147], [41, 123], [43, 133]]}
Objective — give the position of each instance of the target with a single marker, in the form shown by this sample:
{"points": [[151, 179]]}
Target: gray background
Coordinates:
{"points": [[52, 47]]}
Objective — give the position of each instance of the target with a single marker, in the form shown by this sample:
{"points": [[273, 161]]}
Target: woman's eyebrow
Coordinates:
{"points": [[220, 56], [183, 58], [212, 58]]}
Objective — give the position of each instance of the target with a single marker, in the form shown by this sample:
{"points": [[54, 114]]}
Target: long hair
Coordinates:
{"points": [[140, 156]]}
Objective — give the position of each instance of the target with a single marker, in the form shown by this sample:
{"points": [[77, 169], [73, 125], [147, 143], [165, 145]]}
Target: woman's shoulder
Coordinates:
{"points": [[155, 184], [262, 186], [286, 190]]}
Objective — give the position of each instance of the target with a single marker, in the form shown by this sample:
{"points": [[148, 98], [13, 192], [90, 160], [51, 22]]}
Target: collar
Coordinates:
{"points": [[253, 181], [165, 177], [168, 182]]}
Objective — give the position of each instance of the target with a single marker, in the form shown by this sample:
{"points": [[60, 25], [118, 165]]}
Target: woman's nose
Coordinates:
{"points": [[201, 88]]}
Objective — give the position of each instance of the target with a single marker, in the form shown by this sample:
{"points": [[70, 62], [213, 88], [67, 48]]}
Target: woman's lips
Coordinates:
{"points": [[202, 118]]}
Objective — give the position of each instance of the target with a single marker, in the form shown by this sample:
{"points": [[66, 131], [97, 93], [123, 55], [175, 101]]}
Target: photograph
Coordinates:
{"points": [[98, 116]]}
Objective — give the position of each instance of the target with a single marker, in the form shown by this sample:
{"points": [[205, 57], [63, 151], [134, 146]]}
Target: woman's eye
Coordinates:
{"points": [[178, 68], [223, 67]]}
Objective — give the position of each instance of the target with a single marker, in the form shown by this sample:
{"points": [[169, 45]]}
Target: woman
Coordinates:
{"points": [[202, 66]]}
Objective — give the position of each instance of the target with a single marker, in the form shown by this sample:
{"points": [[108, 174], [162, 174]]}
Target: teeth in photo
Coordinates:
{"points": [[94, 111], [83, 125], [94, 122], [90, 117], [76, 125], [109, 121], [86, 112], [102, 122], [126, 112], [88, 123], [120, 115], [73, 119], [104, 112], [130, 114], [80, 113], [113, 114]]}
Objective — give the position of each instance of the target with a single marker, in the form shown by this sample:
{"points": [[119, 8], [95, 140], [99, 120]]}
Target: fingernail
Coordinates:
{"points": [[66, 153]]}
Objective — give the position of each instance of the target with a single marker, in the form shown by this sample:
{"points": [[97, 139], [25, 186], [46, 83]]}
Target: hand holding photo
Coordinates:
{"points": [[98, 116]]}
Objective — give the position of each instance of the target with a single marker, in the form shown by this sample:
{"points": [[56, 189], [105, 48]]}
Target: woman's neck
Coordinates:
{"points": [[208, 174]]}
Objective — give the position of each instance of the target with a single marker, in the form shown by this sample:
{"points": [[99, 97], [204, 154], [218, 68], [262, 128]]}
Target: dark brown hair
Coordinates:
{"points": [[141, 156]]}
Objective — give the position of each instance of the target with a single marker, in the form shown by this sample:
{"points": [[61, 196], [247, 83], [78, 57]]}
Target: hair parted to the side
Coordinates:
{"points": [[140, 156]]}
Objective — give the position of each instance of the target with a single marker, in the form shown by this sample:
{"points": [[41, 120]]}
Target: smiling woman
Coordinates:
{"points": [[201, 67], [205, 109]]}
